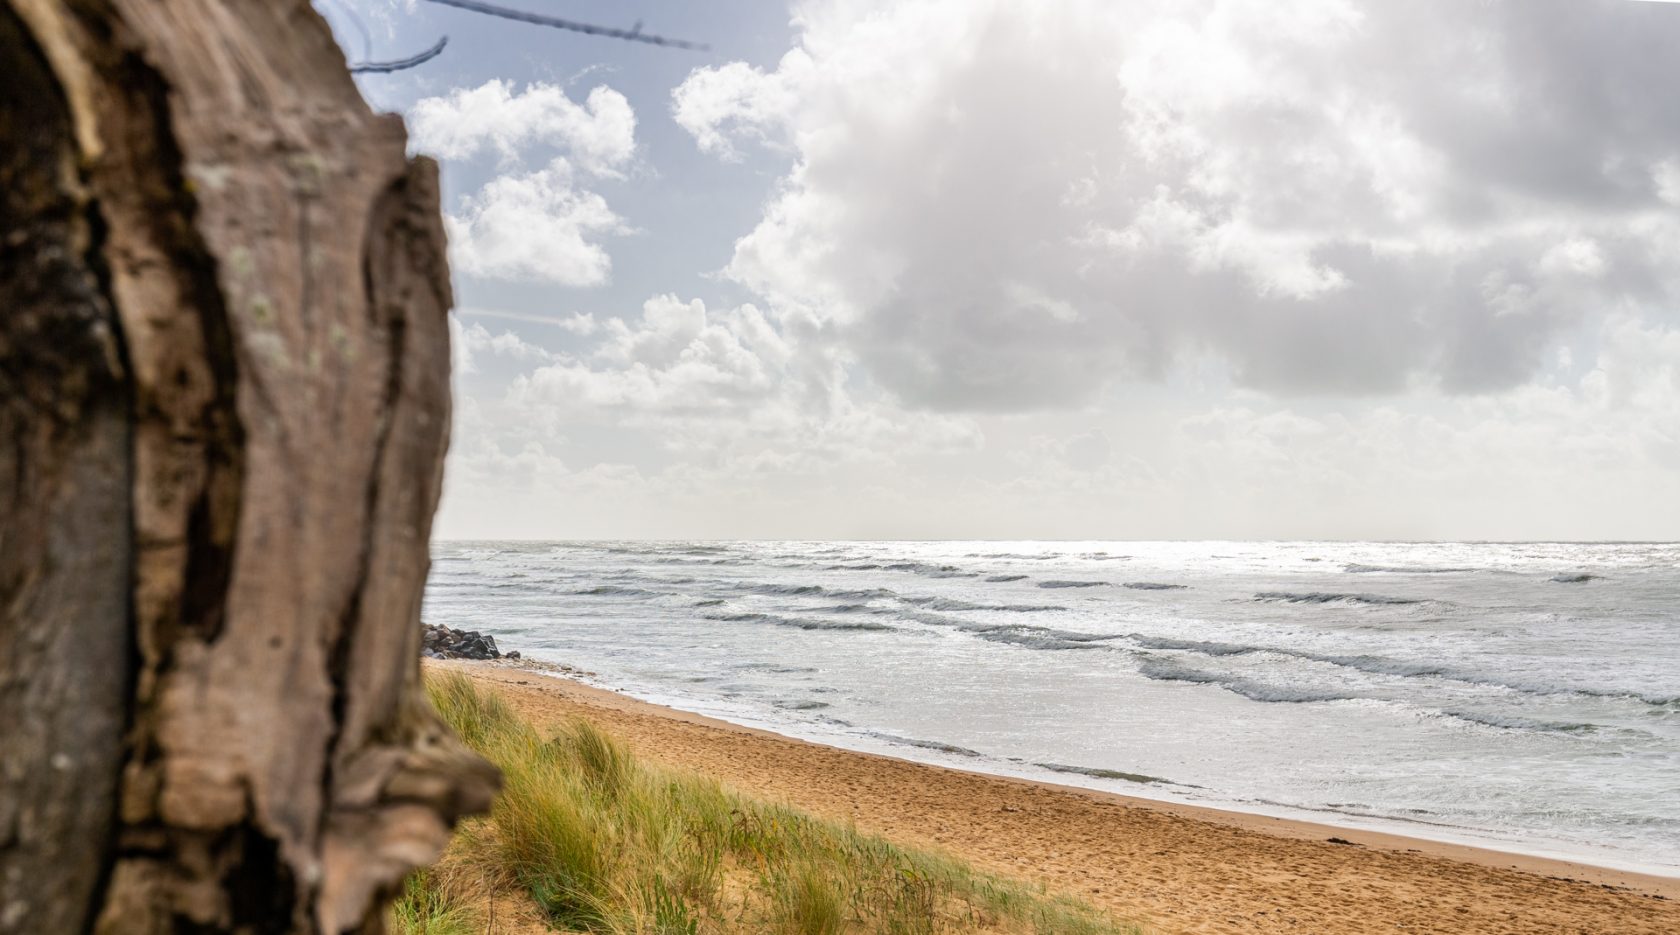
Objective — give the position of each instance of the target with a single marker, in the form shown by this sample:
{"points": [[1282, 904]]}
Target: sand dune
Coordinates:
{"points": [[1175, 868]]}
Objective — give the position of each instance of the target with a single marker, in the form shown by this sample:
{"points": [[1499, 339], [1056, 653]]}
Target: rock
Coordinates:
{"points": [[512, 655], [441, 642]]}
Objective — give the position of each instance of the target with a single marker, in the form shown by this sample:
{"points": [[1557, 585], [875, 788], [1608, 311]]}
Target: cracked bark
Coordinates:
{"points": [[224, 402]]}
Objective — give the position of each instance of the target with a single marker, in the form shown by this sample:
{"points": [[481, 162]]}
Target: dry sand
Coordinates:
{"points": [[1174, 868]]}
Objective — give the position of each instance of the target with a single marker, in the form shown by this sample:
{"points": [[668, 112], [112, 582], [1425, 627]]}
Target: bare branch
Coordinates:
{"points": [[400, 64], [629, 35]]}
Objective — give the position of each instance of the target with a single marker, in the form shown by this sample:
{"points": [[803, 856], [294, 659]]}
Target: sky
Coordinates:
{"points": [[1056, 269]]}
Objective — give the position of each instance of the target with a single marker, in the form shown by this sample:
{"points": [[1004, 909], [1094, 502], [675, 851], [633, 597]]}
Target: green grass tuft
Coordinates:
{"points": [[600, 842], [424, 907]]}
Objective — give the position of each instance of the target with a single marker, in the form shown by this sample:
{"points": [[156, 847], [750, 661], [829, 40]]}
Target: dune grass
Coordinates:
{"points": [[599, 842]]}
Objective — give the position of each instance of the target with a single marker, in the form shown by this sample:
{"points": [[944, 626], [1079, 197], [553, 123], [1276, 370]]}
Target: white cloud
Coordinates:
{"points": [[730, 384], [678, 358], [471, 341], [1075, 268], [736, 100], [533, 226], [599, 134], [694, 401], [1335, 195]]}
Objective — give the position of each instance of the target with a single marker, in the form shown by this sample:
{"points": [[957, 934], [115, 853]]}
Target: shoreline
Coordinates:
{"points": [[1272, 818], [1266, 816], [1150, 859]]}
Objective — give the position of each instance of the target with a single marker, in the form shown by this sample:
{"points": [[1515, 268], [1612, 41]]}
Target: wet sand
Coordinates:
{"points": [[1173, 868]]}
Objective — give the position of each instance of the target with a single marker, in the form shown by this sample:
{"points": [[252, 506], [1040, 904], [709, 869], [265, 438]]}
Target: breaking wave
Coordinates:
{"points": [[800, 705], [1163, 671], [1098, 773], [1037, 637], [952, 604], [613, 590], [925, 744], [1333, 597], [1400, 668], [802, 623], [1512, 722], [817, 590], [1354, 568]]}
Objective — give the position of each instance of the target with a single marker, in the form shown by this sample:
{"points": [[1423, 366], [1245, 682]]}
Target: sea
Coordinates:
{"points": [[1520, 696]]}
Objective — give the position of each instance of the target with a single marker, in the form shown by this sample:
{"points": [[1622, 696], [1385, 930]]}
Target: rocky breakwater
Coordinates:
{"points": [[441, 642]]}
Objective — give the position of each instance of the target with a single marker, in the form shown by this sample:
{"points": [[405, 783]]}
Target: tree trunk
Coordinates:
{"points": [[223, 412]]}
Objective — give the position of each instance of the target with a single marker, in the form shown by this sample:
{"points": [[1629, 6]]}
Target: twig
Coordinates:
{"points": [[629, 35], [400, 64]]}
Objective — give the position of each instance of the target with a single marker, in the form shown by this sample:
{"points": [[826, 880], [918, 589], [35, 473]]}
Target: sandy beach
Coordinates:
{"points": [[1174, 868]]}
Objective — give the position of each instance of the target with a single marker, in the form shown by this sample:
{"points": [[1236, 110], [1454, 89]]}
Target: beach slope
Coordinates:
{"points": [[1175, 868]]}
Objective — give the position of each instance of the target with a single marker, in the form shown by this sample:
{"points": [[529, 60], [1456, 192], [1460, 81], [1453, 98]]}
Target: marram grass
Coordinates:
{"points": [[599, 842]]}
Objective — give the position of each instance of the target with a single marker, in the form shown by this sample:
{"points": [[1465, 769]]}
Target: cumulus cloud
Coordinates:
{"points": [[600, 133], [471, 342], [719, 105], [1199, 268], [533, 226], [679, 358], [1009, 205], [709, 396], [1593, 446]]}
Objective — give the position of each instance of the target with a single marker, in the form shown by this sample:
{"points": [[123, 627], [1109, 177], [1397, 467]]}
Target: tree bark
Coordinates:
{"points": [[223, 413]]}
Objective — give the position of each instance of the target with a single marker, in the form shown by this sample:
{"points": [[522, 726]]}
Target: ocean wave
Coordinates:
{"points": [[613, 590], [958, 606], [1099, 773], [1333, 597], [1037, 637], [709, 602], [938, 620], [1031, 637], [1000, 579], [1163, 671], [1072, 584], [1400, 668], [801, 623], [1204, 647], [850, 609], [817, 590], [800, 705], [1354, 568], [807, 623], [1154, 586], [1573, 577], [925, 744], [917, 568], [1513, 722], [932, 571]]}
